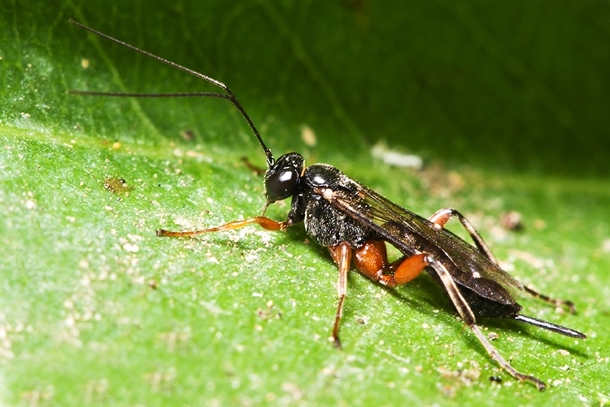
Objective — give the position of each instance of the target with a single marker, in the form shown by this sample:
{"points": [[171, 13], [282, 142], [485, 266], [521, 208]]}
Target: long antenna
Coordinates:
{"points": [[229, 95]]}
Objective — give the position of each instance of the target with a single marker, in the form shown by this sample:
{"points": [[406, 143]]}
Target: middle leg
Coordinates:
{"points": [[342, 256]]}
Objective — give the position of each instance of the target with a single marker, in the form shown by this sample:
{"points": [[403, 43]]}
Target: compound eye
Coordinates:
{"points": [[281, 184]]}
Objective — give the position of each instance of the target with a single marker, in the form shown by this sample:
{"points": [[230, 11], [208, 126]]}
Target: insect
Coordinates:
{"points": [[355, 224]]}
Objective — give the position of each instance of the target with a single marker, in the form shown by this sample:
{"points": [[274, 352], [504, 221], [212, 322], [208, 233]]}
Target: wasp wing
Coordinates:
{"points": [[411, 234]]}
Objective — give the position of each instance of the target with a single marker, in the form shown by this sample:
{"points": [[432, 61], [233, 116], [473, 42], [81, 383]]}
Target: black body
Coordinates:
{"points": [[329, 225]]}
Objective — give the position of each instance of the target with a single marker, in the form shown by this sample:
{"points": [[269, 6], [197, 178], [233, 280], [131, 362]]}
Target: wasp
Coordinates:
{"points": [[355, 223]]}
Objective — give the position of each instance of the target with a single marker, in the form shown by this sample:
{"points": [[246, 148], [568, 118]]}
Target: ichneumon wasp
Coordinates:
{"points": [[355, 223]]}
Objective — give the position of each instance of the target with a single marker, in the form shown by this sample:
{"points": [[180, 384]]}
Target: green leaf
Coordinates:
{"points": [[507, 104]]}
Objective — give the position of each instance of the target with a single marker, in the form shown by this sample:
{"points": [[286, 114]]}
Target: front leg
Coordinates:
{"points": [[262, 221]]}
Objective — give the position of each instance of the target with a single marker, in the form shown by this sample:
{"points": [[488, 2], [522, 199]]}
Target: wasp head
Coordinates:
{"points": [[282, 177]]}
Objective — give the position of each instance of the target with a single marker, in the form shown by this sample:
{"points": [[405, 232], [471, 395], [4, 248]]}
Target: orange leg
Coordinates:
{"points": [[262, 221], [342, 255], [372, 261]]}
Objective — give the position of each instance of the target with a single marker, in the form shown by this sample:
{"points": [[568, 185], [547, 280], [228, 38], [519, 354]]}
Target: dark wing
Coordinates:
{"points": [[411, 233]]}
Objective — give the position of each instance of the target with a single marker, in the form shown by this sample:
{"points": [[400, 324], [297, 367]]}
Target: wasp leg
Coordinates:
{"points": [[372, 261], [264, 222], [342, 255], [442, 216], [554, 301], [468, 316]]}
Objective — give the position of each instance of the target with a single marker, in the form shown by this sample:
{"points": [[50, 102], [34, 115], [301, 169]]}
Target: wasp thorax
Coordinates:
{"points": [[283, 177]]}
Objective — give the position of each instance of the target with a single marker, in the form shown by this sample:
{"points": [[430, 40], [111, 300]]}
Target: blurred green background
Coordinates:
{"points": [[505, 102], [516, 86]]}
